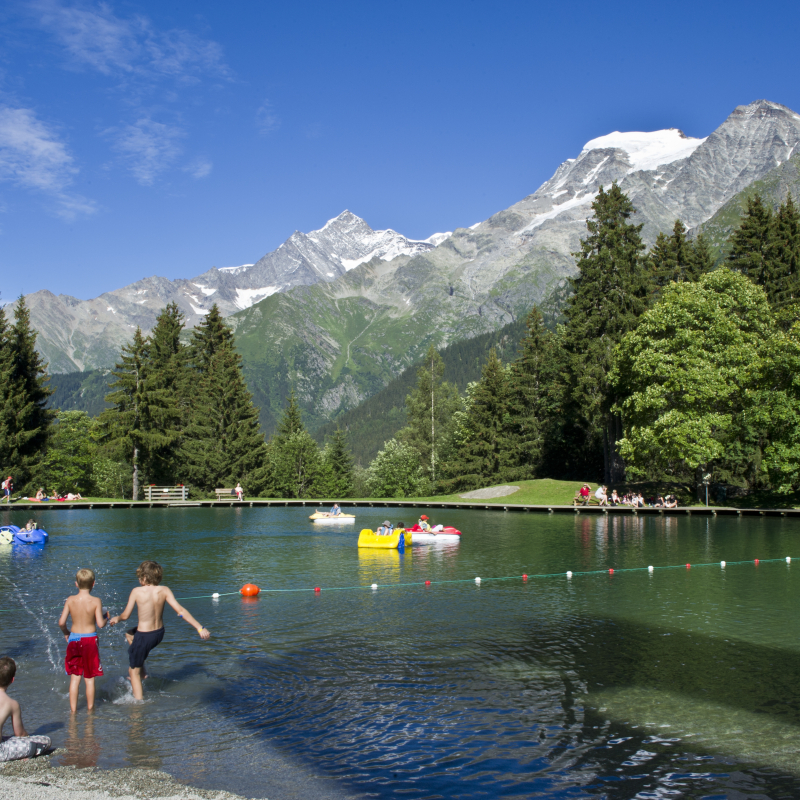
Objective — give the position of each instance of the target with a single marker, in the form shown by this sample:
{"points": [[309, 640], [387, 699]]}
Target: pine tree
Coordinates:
{"points": [[533, 385], [430, 407], [27, 421], [123, 426], [222, 442], [209, 336], [675, 258], [783, 253], [482, 455], [337, 468], [5, 395], [751, 242], [610, 293], [169, 397], [295, 462]]}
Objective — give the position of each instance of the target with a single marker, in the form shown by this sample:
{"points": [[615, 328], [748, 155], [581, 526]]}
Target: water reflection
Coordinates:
{"points": [[83, 749]]}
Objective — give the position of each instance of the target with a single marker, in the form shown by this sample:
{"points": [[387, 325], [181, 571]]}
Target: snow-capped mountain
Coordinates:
{"points": [[84, 334], [487, 275]]}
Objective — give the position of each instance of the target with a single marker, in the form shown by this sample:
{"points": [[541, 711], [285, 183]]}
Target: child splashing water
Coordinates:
{"points": [[83, 657], [149, 598]]}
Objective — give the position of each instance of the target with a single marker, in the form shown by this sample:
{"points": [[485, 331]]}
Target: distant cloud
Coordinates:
{"points": [[147, 147], [266, 118], [200, 168], [95, 37], [33, 157]]}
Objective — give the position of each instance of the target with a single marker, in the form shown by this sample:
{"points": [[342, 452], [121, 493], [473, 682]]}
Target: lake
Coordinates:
{"points": [[681, 682]]}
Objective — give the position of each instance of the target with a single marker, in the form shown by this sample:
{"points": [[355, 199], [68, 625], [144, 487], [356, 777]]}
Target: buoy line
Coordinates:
{"points": [[251, 590]]}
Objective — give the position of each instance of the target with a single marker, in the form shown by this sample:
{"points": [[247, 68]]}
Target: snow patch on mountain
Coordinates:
{"points": [[438, 238], [647, 150], [246, 297], [235, 270]]}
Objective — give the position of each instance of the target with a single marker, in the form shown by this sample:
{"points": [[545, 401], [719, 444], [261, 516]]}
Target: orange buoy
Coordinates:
{"points": [[249, 590]]}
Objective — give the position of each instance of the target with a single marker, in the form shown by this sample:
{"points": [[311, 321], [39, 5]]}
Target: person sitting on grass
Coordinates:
{"points": [[670, 501], [659, 503], [41, 495], [20, 745], [615, 501], [239, 491], [602, 497]]}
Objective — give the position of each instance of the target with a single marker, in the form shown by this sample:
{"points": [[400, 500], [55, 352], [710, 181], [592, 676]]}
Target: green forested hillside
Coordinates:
{"points": [[81, 391], [377, 419], [773, 188]]}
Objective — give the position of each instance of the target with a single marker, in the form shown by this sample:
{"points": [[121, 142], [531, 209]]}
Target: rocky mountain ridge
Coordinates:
{"points": [[340, 342], [86, 334]]}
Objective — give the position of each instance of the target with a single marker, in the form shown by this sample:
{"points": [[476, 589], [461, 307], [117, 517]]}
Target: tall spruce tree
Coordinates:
{"points": [[482, 456], [169, 397], [295, 462], [209, 335], [783, 252], [610, 294], [123, 427], [338, 471], [675, 258], [430, 407], [26, 424], [751, 242], [533, 388], [222, 442]]}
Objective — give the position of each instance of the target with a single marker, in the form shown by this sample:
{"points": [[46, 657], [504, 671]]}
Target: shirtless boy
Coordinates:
{"points": [[150, 598], [20, 745], [83, 657]]}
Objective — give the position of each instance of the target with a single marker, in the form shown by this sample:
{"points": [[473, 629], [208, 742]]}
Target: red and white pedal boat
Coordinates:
{"points": [[446, 534]]}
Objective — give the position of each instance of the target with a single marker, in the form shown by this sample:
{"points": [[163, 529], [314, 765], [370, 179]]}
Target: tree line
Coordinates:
{"points": [[665, 368]]}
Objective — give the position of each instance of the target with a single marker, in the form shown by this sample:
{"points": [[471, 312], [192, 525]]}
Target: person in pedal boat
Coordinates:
{"points": [[385, 529], [423, 523], [335, 511]]}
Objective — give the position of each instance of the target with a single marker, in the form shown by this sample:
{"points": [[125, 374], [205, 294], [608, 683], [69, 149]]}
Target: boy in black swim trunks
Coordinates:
{"points": [[150, 598]]}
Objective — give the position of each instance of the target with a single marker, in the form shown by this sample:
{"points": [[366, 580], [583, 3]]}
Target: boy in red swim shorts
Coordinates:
{"points": [[149, 598], [83, 657]]}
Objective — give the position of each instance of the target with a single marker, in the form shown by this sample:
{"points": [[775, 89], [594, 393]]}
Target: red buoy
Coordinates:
{"points": [[756, 561], [427, 583], [611, 572], [524, 577], [317, 589], [249, 590], [688, 566]]}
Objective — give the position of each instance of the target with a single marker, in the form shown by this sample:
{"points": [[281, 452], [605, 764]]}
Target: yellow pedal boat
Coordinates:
{"points": [[368, 538]]}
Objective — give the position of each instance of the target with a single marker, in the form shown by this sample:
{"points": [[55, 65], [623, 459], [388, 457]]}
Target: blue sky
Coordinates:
{"points": [[142, 138]]}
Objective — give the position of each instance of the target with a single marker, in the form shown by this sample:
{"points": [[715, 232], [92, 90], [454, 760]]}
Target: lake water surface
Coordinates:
{"points": [[680, 683]]}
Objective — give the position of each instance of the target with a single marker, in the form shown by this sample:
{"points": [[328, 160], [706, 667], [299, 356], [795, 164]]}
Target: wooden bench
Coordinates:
{"points": [[225, 493], [172, 494], [578, 500]]}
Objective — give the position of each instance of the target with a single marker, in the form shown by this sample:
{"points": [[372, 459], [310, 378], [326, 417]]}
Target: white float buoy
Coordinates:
{"points": [[374, 585], [569, 574], [788, 559], [722, 564], [215, 595], [650, 568], [477, 580]]}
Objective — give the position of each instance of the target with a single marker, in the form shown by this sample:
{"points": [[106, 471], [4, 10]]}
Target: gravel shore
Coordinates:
{"points": [[36, 779]]}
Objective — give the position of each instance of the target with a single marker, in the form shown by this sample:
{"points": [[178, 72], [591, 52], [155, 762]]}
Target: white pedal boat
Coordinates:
{"points": [[447, 534], [323, 518]]}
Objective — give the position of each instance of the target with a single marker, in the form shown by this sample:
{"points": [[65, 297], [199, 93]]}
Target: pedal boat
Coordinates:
{"points": [[13, 534], [322, 518], [397, 540], [448, 534]]}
